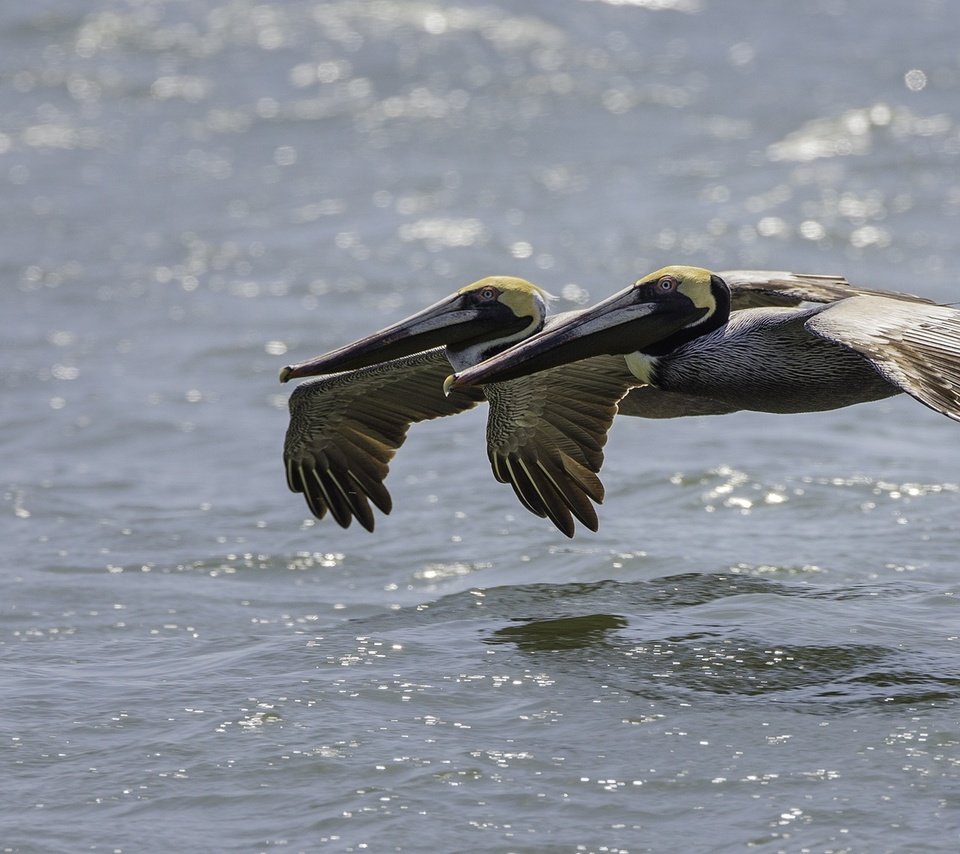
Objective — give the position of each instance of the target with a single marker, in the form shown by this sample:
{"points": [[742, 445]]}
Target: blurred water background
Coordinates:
{"points": [[761, 646]]}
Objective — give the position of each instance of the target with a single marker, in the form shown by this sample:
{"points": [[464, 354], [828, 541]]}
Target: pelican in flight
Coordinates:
{"points": [[863, 346]]}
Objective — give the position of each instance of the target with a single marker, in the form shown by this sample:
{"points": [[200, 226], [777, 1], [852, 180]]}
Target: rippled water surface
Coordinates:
{"points": [[759, 649]]}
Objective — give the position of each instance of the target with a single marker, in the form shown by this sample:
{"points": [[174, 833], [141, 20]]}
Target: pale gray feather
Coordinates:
{"points": [[915, 348]]}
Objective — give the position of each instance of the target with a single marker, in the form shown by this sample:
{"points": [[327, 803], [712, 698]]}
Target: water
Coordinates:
{"points": [[760, 646]]}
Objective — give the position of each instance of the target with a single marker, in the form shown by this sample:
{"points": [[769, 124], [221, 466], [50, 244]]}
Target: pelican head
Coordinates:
{"points": [[652, 316], [474, 323]]}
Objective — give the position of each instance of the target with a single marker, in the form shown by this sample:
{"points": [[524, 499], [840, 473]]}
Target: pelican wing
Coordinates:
{"points": [[546, 432], [762, 288], [345, 428], [915, 347]]}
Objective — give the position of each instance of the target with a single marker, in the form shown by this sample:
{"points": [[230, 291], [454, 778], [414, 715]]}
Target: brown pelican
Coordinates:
{"points": [[864, 346], [345, 428]]}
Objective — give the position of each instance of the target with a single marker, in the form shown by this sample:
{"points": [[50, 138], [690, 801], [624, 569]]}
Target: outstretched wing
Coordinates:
{"points": [[915, 347], [345, 428], [762, 288], [546, 432]]}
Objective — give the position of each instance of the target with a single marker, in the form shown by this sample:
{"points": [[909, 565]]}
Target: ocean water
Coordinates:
{"points": [[760, 648]]}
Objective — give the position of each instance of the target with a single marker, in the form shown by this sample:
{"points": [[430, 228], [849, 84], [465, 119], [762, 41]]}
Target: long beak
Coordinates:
{"points": [[617, 325], [444, 322]]}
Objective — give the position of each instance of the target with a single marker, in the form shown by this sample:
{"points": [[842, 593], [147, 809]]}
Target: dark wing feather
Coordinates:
{"points": [[546, 432], [345, 429]]}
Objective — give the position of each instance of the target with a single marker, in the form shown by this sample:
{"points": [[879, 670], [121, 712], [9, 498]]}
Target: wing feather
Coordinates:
{"points": [[763, 288], [915, 347], [524, 489], [577, 499], [339, 507], [346, 428], [546, 433]]}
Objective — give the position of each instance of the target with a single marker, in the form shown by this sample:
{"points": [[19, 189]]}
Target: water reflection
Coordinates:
{"points": [[564, 633], [670, 641]]}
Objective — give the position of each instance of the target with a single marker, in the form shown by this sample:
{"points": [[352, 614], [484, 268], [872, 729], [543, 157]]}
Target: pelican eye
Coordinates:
{"points": [[667, 284], [488, 294]]}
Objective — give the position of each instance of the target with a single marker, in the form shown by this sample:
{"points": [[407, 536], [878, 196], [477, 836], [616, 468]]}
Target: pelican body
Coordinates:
{"points": [[855, 347]]}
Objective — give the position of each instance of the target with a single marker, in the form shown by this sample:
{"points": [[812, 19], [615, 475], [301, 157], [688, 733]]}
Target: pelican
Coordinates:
{"points": [[861, 346], [345, 428]]}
